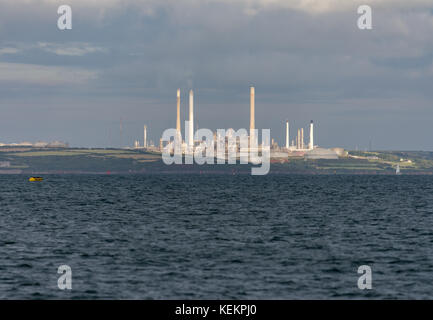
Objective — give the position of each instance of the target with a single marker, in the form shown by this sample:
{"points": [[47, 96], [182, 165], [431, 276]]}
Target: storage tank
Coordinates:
{"points": [[321, 153]]}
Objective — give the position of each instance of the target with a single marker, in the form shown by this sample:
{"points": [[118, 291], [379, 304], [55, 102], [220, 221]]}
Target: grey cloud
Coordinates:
{"points": [[8, 50], [43, 75], [70, 49], [307, 60]]}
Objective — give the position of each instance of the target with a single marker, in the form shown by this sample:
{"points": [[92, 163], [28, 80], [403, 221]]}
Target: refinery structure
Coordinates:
{"points": [[39, 144], [299, 146]]}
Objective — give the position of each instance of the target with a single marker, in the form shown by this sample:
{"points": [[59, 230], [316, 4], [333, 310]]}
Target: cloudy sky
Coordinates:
{"points": [[124, 59]]}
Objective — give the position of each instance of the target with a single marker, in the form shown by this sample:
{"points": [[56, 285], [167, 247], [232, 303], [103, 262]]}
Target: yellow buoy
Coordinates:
{"points": [[32, 179]]}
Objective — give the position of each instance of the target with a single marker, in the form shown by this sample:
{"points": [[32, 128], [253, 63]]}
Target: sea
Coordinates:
{"points": [[216, 236]]}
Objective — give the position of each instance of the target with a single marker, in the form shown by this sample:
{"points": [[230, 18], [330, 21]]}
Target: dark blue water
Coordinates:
{"points": [[216, 236]]}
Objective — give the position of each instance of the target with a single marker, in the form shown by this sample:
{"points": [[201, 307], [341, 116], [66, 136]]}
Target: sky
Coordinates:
{"points": [[307, 59]]}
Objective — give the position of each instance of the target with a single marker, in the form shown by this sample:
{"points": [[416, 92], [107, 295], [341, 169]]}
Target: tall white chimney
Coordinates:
{"points": [[302, 138], [311, 145], [252, 115], [145, 137], [287, 134], [191, 119], [178, 111], [252, 107]]}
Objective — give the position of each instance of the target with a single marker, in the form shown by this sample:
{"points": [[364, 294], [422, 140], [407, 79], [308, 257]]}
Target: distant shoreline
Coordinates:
{"points": [[44, 161]]}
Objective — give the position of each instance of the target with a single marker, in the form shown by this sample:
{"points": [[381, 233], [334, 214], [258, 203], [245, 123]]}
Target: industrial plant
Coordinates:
{"points": [[39, 144], [297, 147]]}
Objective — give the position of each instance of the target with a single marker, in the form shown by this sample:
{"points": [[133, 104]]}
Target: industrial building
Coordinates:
{"points": [[39, 144], [298, 144], [295, 148], [321, 153]]}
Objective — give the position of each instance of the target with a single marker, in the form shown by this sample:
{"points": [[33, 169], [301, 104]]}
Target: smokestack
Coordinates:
{"points": [[120, 131], [287, 134], [311, 145], [252, 116], [298, 140], [145, 137], [252, 111], [302, 138], [191, 119], [178, 112]]}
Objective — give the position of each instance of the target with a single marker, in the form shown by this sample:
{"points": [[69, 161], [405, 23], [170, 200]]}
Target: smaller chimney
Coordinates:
{"points": [[191, 120], [302, 138], [311, 144]]}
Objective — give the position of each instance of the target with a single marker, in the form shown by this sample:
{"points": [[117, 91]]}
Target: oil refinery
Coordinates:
{"points": [[299, 146]]}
